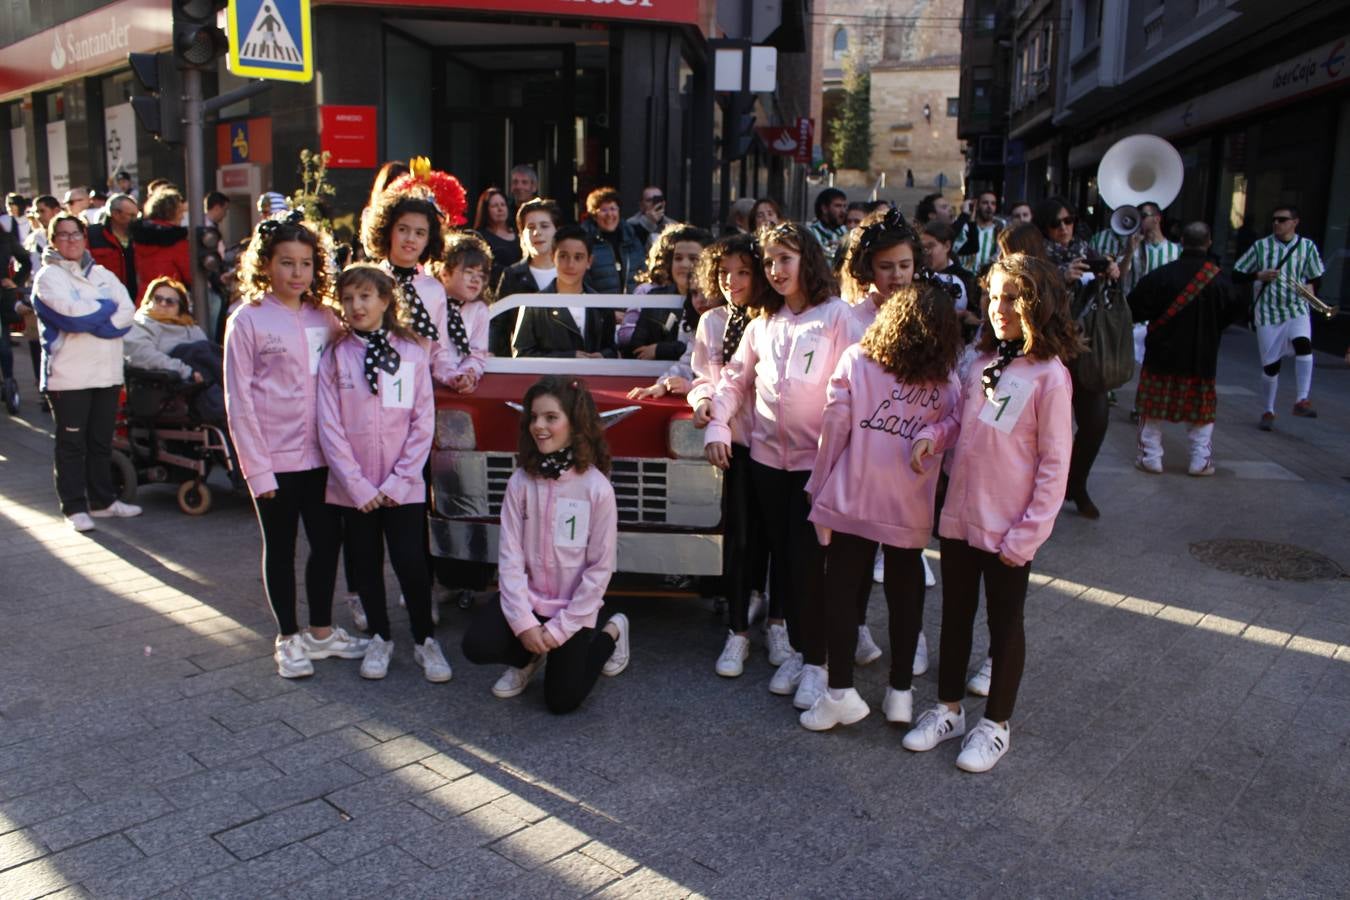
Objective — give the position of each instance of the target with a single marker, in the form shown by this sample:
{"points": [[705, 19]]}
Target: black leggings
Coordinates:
{"points": [[1005, 590], [1091, 412], [796, 561], [366, 535], [1302, 347], [848, 561], [570, 671], [745, 555], [84, 422], [299, 497]]}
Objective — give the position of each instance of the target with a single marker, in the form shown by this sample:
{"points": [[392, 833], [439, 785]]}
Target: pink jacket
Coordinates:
{"points": [[446, 363], [476, 318], [557, 548], [1011, 462], [862, 483], [784, 363], [864, 314], [271, 366], [375, 443], [706, 361]]}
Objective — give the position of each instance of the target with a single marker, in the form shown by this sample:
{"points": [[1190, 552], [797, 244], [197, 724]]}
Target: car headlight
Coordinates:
{"points": [[686, 441], [454, 430]]}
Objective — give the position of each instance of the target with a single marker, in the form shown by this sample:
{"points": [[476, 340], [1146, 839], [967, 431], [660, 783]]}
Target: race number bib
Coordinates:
{"points": [[317, 338], [571, 523], [807, 361], [396, 391], [1010, 398]]}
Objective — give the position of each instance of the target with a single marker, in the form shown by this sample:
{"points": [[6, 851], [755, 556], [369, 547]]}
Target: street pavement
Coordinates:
{"points": [[1181, 730]]}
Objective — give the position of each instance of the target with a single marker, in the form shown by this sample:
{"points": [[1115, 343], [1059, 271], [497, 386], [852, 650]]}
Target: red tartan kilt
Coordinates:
{"points": [[1176, 398]]}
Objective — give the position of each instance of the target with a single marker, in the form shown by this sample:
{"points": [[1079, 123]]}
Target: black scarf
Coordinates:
{"points": [[380, 354], [737, 319], [421, 319], [454, 325], [552, 465], [1007, 351]]}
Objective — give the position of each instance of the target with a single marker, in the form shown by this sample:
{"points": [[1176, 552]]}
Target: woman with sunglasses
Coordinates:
{"points": [[1080, 264]]}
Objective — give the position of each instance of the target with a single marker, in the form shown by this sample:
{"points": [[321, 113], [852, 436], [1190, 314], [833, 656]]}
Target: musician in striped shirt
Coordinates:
{"points": [[1280, 261], [979, 239]]}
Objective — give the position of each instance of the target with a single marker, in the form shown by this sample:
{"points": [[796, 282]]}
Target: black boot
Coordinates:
{"points": [[10, 389]]}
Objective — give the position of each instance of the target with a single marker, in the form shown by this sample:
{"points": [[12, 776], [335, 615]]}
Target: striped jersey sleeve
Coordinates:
{"points": [[1278, 300]]}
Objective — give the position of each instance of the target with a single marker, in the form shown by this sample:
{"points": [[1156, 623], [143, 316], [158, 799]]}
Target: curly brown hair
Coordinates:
{"points": [[254, 282], [1042, 303], [710, 260], [588, 435], [397, 318], [164, 205], [662, 252], [917, 335], [814, 277], [858, 260], [377, 227], [599, 197]]}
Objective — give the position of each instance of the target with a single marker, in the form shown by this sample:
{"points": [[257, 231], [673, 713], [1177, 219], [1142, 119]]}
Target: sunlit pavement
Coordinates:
{"points": [[1181, 730]]}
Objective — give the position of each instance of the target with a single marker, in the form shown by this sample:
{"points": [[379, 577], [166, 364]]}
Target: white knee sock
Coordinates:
{"points": [[1269, 383], [1303, 368]]}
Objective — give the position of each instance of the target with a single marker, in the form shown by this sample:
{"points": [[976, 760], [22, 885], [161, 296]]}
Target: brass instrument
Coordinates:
{"points": [[1315, 303], [1141, 168]]}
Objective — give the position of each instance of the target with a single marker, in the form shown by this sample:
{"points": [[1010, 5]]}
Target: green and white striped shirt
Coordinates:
{"points": [[1278, 301], [1147, 257], [988, 246]]}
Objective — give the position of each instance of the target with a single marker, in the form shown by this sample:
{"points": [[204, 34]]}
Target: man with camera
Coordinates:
{"points": [[651, 218]]}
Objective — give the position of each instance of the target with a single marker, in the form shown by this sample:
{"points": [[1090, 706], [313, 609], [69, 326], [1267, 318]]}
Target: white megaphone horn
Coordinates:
{"points": [[1142, 168]]}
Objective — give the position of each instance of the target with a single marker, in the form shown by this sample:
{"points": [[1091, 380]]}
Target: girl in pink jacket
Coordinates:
{"points": [[1008, 474], [559, 529], [887, 391], [273, 344], [376, 419], [782, 367], [463, 271]]}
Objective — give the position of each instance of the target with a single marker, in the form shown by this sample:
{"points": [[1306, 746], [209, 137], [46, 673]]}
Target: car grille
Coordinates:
{"points": [[639, 487]]}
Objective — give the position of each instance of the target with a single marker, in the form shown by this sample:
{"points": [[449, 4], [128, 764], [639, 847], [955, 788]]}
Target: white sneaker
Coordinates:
{"points": [[979, 682], [759, 605], [920, 656], [339, 644], [867, 651], [290, 657], [428, 655], [928, 578], [828, 712], [375, 664], [898, 707], [879, 568], [935, 726], [984, 747], [814, 682], [1201, 469], [1151, 466], [514, 681], [81, 522], [734, 654], [118, 510], [358, 611], [788, 676], [780, 647], [618, 660]]}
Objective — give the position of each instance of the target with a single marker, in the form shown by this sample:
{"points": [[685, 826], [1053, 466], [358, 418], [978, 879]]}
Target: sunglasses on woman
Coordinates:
{"points": [[1065, 221]]}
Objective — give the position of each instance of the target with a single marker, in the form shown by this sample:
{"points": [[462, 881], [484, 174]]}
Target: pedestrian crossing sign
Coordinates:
{"points": [[270, 39]]}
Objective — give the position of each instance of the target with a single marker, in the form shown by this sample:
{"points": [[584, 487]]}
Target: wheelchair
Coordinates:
{"points": [[158, 439]]}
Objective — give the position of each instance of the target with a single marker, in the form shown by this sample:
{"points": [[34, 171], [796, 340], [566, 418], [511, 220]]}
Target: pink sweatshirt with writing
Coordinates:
{"points": [[862, 483], [375, 443], [272, 358], [706, 361], [1011, 463], [557, 550], [783, 366]]}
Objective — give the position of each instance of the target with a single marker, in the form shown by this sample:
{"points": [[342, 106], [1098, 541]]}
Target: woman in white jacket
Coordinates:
{"points": [[83, 312]]}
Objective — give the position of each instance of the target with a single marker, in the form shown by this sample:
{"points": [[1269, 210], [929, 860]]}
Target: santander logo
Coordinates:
{"points": [[58, 53]]}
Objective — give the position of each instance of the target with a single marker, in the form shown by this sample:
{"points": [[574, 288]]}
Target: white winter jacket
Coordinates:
{"points": [[83, 311]]}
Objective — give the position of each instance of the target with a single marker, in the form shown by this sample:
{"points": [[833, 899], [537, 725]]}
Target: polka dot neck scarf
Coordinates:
{"points": [[731, 338], [1007, 351], [380, 354], [454, 324], [552, 465], [421, 319]]}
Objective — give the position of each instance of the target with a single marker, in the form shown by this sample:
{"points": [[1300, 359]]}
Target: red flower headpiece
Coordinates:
{"points": [[446, 191]]}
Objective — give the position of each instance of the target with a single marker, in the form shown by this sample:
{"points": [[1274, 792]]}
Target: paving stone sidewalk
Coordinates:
{"points": [[1181, 731]]}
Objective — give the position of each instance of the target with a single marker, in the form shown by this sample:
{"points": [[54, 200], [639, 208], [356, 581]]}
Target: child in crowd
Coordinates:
{"points": [[672, 263], [571, 331], [537, 221], [273, 344], [897, 385], [1008, 476], [559, 528], [463, 272], [376, 419], [782, 367]]}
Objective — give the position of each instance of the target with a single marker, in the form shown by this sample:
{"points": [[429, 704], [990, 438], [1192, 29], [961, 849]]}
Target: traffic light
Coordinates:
{"points": [[197, 41], [161, 113], [208, 249]]}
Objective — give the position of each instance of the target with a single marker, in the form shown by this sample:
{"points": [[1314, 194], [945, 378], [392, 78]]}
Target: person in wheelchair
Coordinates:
{"points": [[165, 337]]}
